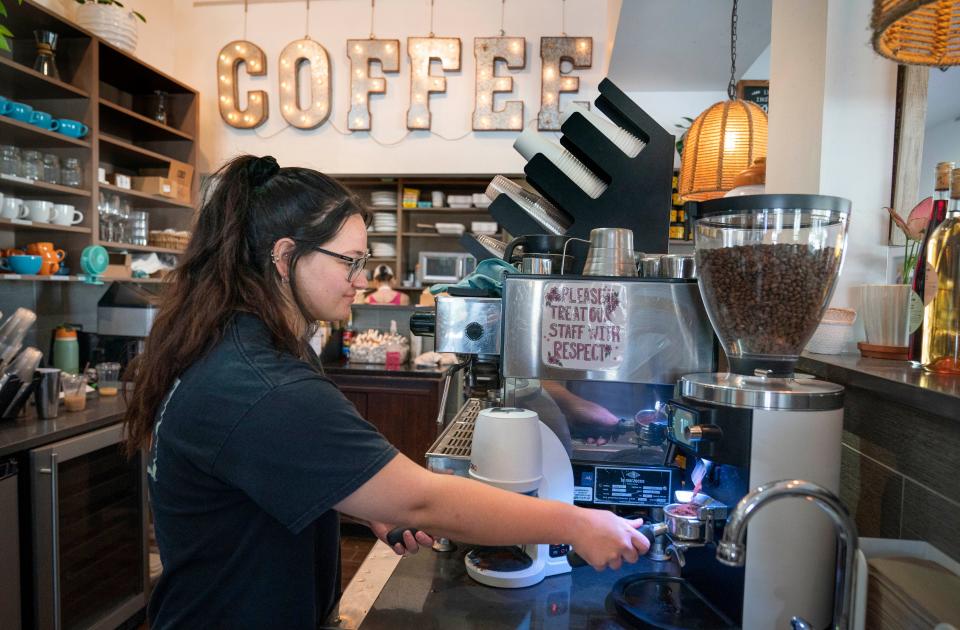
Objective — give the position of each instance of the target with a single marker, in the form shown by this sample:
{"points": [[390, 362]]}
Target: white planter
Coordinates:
{"points": [[111, 23]]}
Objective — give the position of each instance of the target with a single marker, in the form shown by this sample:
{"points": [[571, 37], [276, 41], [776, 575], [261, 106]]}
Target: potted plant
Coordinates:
{"points": [[892, 312], [4, 31], [111, 21]]}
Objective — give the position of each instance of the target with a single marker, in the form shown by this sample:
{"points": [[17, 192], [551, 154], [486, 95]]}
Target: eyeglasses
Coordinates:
{"points": [[356, 264]]}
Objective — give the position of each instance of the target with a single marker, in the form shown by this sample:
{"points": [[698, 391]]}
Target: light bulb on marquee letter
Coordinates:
{"points": [[513, 51], [228, 94], [422, 50], [579, 52], [310, 52], [361, 53]]}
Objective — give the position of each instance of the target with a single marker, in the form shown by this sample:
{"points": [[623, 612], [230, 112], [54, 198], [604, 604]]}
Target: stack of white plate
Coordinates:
{"points": [[384, 198], [460, 201], [383, 250], [384, 222]]}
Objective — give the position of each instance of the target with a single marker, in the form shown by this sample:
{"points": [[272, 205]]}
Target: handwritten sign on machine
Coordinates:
{"points": [[584, 325]]}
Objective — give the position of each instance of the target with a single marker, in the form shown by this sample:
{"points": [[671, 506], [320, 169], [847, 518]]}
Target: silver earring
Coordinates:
{"points": [[274, 258]]}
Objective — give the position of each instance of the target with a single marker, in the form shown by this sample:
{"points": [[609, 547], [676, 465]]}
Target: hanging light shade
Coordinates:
{"points": [[917, 32], [723, 141]]}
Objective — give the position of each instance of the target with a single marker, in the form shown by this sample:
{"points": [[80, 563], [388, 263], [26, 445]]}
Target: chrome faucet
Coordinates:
{"points": [[731, 550]]}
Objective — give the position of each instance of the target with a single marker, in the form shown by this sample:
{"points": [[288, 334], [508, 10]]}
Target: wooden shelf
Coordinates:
{"points": [[125, 72], [37, 188], [30, 226], [23, 134], [141, 126], [435, 235], [145, 200], [381, 234], [13, 277], [141, 248], [446, 209], [22, 82], [121, 153]]}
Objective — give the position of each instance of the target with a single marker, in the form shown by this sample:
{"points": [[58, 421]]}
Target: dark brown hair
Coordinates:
{"points": [[249, 204]]}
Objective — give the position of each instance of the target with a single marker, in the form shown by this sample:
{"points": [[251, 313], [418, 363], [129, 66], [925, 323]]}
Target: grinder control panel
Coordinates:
{"points": [[634, 486]]}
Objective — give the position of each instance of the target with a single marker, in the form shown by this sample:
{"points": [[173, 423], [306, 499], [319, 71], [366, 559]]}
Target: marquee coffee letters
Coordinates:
{"points": [[578, 51]]}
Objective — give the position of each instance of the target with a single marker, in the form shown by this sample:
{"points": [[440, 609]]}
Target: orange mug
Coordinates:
{"points": [[51, 257], [11, 251]]}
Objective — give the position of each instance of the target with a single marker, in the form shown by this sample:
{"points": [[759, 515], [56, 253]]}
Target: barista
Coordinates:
{"points": [[254, 453], [384, 283]]}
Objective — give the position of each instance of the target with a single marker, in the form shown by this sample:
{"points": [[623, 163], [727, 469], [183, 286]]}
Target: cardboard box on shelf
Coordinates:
{"points": [[155, 186], [179, 172], [119, 266]]}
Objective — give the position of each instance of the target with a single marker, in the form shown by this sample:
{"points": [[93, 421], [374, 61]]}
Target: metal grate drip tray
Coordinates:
{"points": [[456, 441]]}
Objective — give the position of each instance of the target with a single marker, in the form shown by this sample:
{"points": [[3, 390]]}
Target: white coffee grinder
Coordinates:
{"points": [[513, 450]]}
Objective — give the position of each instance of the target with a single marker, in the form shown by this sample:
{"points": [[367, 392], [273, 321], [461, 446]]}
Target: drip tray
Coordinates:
{"points": [[501, 559], [656, 600]]}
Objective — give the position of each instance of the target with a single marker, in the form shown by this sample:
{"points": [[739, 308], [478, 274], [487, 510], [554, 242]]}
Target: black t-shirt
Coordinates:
{"points": [[251, 450]]}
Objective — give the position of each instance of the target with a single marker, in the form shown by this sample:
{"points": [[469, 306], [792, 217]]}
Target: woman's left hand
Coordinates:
{"points": [[411, 543]]}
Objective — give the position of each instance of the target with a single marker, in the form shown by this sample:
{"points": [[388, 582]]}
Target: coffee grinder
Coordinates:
{"points": [[767, 267]]}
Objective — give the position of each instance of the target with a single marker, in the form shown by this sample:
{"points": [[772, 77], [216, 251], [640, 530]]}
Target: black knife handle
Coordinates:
{"points": [[395, 535]]}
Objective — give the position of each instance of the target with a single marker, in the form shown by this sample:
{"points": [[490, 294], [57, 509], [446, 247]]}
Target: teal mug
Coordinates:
{"points": [[44, 121], [72, 128], [17, 111]]}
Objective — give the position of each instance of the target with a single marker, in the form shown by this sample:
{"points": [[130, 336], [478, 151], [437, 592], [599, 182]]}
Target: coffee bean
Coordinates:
{"points": [[766, 299]]}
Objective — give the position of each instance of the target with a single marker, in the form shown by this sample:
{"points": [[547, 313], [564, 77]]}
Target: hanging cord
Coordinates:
{"points": [[503, 6], [245, 7], [373, 8], [563, 17], [431, 18], [732, 86], [307, 25]]}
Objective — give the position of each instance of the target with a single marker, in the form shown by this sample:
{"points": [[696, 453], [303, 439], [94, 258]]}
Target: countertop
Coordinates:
{"points": [[374, 369], [432, 590], [899, 381], [29, 431]]}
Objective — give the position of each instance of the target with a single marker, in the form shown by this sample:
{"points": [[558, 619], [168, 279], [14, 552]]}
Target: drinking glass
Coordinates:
{"points": [[108, 378], [74, 391], [51, 168], [32, 165], [9, 160], [71, 175]]}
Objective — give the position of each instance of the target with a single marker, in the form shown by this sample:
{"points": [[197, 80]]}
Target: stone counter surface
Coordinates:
{"points": [[899, 381], [30, 431], [406, 370], [430, 590]]}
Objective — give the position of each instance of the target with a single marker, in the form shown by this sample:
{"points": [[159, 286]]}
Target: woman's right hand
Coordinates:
{"points": [[605, 540]]}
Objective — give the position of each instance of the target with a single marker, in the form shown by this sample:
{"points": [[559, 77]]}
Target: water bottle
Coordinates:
{"points": [[66, 350]]}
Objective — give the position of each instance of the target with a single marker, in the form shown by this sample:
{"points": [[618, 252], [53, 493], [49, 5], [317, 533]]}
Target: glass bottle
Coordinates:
{"points": [[940, 202], [71, 174], [160, 113], [941, 316]]}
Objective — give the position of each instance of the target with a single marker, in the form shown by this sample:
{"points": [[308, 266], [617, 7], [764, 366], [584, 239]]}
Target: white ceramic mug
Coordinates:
{"points": [[437, 198], [40, 210], [65, 214], [13, 208]]}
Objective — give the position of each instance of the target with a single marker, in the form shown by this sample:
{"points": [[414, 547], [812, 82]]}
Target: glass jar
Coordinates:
{"points": [[51, 168], [9, 160], [32, 165], [71, 174]]}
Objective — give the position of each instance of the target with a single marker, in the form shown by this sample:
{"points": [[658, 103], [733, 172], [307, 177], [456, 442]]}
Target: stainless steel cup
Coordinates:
{"points": [[610, 253], [649, 266], [47, 393], [677, 266]]}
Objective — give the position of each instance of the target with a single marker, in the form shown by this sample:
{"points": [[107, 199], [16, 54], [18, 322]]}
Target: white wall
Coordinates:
{"points": [[832, 122], [941, 143], [669, 108]]}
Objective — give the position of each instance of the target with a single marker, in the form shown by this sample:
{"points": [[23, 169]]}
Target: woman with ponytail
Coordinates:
{"points": [[253, 453]]}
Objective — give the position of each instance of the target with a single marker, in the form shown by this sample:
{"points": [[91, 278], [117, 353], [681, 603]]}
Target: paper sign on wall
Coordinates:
{"points": [[583, 326]]}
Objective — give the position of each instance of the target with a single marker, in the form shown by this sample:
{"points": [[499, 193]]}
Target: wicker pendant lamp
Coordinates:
{"points": [[917, 32], [723, 140]]}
